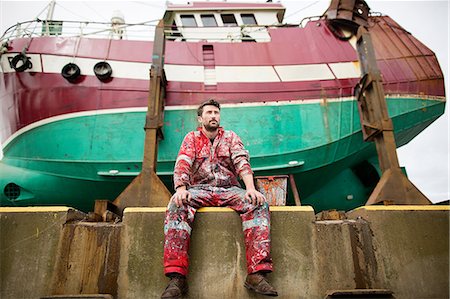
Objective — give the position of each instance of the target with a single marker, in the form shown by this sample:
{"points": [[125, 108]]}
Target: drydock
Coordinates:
{"points": [[396, 246]]}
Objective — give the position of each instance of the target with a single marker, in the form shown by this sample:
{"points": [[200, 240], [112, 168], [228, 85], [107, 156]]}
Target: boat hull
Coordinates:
{"points": [[290, 99]]}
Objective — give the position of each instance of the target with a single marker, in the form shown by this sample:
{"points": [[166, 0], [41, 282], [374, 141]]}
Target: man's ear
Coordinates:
{"points": [[199, 119]]}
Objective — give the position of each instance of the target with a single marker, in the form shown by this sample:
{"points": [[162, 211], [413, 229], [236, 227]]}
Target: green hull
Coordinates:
{"points": [[78, 159]]}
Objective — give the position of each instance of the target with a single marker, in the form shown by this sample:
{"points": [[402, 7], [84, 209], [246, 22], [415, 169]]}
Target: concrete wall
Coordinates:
{"points": [[217, 253], [411, 248], [403, 249], [372, 250], [29, 239], [88, 259]]}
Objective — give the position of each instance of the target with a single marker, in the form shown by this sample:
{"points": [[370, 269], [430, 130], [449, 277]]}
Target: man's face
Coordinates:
{"points": [[210, 118]]}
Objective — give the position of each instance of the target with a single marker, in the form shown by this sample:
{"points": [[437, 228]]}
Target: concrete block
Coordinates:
{"points": [[141, 254], [404, 249], [292, 252], [411, 248], [88, 259], [28, 247], [333, 257], [217, 254]]}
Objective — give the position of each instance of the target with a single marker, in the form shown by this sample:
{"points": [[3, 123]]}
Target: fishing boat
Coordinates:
{"points": [[73, 106]]}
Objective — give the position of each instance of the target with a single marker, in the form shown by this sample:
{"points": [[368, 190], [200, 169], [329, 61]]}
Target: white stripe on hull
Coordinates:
{"points": [[121, 69], [344, 70], [194, 73], [292, 73], [5, 60], [184, 73], [243, 74]]}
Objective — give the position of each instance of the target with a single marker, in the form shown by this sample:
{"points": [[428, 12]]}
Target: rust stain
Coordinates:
{"points": [[274, 188], [364, 259], [88, 259]]}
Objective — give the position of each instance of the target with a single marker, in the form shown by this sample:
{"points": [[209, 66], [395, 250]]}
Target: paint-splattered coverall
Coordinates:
{"points": [[209, 171]]}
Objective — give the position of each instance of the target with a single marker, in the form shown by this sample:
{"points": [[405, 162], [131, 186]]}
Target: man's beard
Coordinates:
{"points": [[211, 128]]}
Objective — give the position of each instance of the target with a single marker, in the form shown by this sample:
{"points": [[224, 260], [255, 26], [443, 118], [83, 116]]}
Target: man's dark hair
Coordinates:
{"points": [[210, 102]]}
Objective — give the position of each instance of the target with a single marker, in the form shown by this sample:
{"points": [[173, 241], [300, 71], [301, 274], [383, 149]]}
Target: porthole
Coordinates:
{"points": [[12, 191]]}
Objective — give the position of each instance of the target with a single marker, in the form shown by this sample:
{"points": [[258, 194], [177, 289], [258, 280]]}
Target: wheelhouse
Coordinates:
{"points": [[222, 22]]}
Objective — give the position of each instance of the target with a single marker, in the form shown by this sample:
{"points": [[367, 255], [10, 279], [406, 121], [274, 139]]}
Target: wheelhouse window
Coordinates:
{"points": [[188, 21], [208, 21], [229, 20], [249, 19]]}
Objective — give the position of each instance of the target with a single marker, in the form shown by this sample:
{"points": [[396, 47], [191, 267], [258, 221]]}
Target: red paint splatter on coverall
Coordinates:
{"points": [[210, 173]]}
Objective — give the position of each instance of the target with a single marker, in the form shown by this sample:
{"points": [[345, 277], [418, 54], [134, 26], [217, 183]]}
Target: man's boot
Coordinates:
{"points": [[258, 282], [176, 288]]}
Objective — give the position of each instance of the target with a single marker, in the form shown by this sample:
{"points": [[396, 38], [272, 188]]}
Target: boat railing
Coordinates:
{"points": [[142, 31], [38, 28], [304, 21]]}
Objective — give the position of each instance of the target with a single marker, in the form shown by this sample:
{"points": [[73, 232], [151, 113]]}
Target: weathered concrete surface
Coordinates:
{"points": [[141, 253], [333, 256], [29, 240], [88, 259], [311, 257], [402, 249], [217, 253], [411, 248]]}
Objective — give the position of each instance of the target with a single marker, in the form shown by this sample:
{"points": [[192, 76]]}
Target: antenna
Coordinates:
{"points": [[51, 10]]}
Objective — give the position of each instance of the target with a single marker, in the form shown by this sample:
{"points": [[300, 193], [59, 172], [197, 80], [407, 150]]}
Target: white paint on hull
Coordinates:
{"points": [[194, 73]]}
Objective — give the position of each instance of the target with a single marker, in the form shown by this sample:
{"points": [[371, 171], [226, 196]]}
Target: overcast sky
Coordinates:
{"points": [[426, 158]]}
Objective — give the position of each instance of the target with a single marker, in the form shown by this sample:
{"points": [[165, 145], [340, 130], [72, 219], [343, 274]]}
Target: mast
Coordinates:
{"points": [[50, 11]]}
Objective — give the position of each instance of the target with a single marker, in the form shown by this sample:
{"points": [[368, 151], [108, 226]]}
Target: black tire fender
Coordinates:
{"points": [[21, 62], [71, 71], [102, 70]]}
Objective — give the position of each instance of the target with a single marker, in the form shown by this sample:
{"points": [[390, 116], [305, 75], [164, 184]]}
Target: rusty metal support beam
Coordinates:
{"points": [[394, 186], [294, 190], [147, 190]]}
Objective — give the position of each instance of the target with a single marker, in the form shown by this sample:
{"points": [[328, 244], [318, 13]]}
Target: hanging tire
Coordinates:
{"points": [[21, 62], [70, 72], [102, 70]]}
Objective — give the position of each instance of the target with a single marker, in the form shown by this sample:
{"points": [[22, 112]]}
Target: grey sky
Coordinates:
{"points": [[426, 158]]}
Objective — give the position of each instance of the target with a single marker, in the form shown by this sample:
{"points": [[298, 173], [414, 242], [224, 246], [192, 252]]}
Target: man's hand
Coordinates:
{"points": [[255, 197], [181, 196]]}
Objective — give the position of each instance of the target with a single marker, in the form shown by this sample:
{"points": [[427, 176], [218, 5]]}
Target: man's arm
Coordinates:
{"points": [[182, 170], [241, 163], [252, 194]]}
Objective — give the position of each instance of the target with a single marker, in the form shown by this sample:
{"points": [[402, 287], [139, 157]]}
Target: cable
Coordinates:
{"points": [[151, 4], [71, 12], [301, 9], [95, 11]]}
